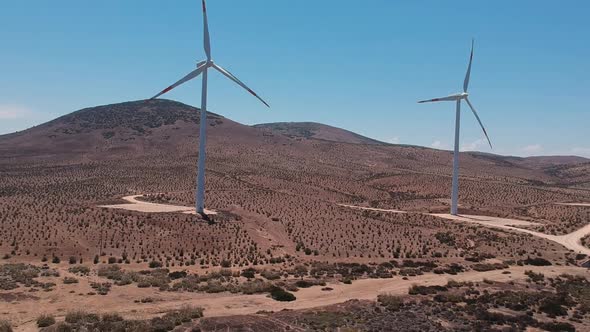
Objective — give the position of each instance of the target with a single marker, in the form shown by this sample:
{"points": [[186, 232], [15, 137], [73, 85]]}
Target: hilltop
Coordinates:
{"points": [[131, 128]]}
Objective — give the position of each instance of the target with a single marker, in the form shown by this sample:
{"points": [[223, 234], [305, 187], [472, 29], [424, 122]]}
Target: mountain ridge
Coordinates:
{"points": [[154, 123]]}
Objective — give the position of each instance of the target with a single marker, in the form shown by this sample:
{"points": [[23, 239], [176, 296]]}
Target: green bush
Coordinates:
{"points": [[45, 321], [537, 261], [177, 275], [391, 302], [271, 274], [426, 290], [5, 326], [279, 294], [80, 317], [255, 287], [445, 238], [249, 273], [70, 280], [112, 317], [183, 315], [534, 277], [62, 327], [161, 325], [155, 264], [552, 306], [483, 267], [303, 283], [79, 269], [558, 327]]}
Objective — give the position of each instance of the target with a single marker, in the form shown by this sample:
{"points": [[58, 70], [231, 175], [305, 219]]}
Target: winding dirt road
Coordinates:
{"points": [[571, 241]]}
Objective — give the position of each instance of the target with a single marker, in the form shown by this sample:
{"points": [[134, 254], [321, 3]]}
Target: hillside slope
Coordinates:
{"points": [[279, 193], [126, 129], [312, 130]]}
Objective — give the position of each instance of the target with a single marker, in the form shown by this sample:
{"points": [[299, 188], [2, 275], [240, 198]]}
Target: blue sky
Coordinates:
{"points": [[359, 65]]}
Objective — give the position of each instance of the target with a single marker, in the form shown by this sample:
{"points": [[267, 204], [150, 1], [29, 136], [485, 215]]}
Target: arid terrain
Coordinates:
{"points": [[340, 230]]}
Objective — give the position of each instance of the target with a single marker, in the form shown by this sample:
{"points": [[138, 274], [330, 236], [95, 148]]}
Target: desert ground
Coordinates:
{"points": [[96, 214]]}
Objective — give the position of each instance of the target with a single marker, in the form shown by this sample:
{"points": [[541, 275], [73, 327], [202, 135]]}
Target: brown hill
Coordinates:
{"points": [[312, 130], [126, 129], [284, 193]]}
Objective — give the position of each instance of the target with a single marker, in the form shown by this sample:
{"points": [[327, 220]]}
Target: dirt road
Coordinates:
{"points": [[371, 209], [141, 206], [571, 241], [574, 204]]}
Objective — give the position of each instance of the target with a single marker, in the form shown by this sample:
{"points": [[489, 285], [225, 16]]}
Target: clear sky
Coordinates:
{"points": [[359, 65]]}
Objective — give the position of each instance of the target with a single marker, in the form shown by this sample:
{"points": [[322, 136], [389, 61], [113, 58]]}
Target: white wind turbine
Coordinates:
{"points": [[202, 68], [458, 98]]}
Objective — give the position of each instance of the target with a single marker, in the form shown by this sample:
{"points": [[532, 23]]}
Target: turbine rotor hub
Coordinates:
{"points": [[207, 62]]}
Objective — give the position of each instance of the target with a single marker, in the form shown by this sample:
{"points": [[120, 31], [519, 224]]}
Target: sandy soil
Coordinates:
{"points": [[141, 206], [121, 299]]}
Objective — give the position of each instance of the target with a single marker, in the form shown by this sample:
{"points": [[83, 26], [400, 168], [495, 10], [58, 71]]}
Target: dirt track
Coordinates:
{"points": [[574, 204], [371, 209], [141, 206], [571, 241]]}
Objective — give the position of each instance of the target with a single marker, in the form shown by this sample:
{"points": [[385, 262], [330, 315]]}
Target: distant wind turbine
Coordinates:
{"points": [[458, 98], [202, 68]]}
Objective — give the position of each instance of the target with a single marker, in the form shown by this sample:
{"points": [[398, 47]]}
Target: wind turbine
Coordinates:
{"points": [[458, 98], [202, 68]]}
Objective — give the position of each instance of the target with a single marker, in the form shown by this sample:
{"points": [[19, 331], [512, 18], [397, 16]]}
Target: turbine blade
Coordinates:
{"points": [[185, 79], [206, 38], [447, 98], [479, 120], [468, 74], [238, 82]]}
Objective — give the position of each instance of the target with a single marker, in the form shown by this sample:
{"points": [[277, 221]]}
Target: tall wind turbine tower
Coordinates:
{"points": [[202, 68], [457, 98]]}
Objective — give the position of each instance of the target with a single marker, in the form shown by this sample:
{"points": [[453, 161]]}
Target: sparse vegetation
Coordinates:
{"points": [[45, 321], [282, 295], [278, 222], [5, 326]]}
